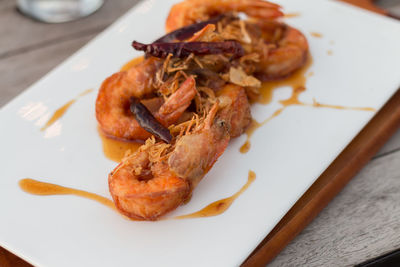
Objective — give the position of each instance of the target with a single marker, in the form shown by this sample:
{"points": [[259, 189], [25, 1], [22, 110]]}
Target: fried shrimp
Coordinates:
{"points": [[287, 51], [192, 11], [237, 114], [144, 190], [112, 104], [191, 92], [275, 49], [159, 177]]}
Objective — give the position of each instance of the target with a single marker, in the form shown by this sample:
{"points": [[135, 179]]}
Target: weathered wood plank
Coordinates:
{"points": [[391, 146], [6, 4], [362, 222], [24, 34], [20, 71], [386, 3]]}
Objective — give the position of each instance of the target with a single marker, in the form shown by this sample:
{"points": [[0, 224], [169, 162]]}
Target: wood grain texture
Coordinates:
{"points": [[19, 71], [25, 34], [386, 3], [393, 145], [8, 259], [5, 4], [362, 222]]}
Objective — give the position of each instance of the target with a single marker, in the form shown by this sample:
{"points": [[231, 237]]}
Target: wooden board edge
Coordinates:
{"points": [[368, 5], [363, 147]]}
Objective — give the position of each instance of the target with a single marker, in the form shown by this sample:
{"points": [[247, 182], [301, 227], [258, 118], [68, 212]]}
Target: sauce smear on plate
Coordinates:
{"points": [[316, 34], [35, 187], [297, 82], [292, 15], [220, 206], [61, 111], [132, 63], [115, 149]]}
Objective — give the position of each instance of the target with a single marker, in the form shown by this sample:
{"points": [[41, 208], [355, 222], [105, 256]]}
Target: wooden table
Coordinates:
{"points": [[363, 221]]}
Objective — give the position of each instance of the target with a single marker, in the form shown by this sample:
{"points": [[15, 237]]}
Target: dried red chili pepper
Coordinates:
{"points": [[184, 49], [147, 121], [188, 31]]}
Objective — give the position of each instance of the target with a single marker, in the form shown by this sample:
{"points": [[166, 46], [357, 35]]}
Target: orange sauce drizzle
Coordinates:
{"points": [[292, 15], [115, 149], [132, 63], [220, 206], [61, 111], [297, 82], [35, 187], [316, 34], [316, 104], [297, 79], [254, 125]]}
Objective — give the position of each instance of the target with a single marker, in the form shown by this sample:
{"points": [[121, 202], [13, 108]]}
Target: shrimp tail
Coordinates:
{"points": [[178, 102]]}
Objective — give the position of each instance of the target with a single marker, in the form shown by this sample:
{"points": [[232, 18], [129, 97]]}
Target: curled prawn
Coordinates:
{"points": [[159, 177], [192, 11], [287, 51], [112, 104], [145, 187], [144, 192], [281, 48]]}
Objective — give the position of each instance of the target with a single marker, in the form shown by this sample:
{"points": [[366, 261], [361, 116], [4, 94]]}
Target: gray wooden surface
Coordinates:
{"points": [[363, 221]]}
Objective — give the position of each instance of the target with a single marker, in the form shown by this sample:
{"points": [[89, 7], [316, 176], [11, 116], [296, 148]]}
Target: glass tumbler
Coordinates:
{"points": [[56, 11]]}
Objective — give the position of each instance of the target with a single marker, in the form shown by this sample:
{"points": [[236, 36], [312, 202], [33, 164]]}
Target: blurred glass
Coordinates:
{"points": [[55, 11]]}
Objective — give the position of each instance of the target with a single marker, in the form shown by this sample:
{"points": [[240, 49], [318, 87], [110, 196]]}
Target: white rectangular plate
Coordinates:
{"points": [[287, 154]]}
